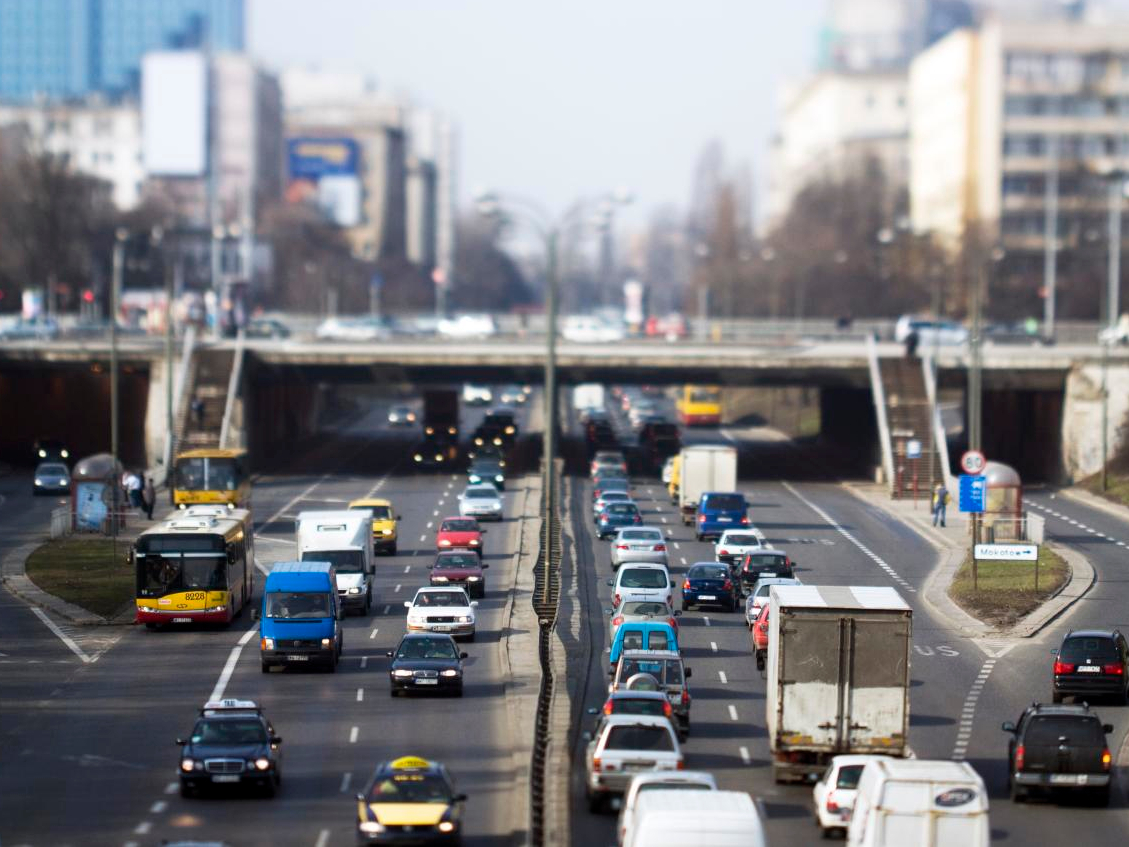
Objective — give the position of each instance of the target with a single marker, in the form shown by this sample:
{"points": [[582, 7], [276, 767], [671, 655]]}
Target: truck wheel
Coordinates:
{"points": [[186, 790], [368, 603], [392, 549]]}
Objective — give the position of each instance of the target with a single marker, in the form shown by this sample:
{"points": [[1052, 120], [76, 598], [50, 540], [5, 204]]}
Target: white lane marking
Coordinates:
{"points": [[323, 838], [732, 712], [745, 757], [158, 807], [387, 609], [713, 646], [372, 634], [364, 662], [847, 535], [706, 618], [407, 568], [172, 788], [142, 828], [229, 666], [968, 711], [346, 778], [435, 514], [676, 547], [430, 524], [724, 679], [353, 733], [399, 585], [663, 518], [360, 695], [62, 636], [423, 538], [682, 559]]}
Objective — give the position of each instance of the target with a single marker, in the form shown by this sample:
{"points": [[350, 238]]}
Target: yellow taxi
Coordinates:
{"points": [[410, 799], [384, 520]]}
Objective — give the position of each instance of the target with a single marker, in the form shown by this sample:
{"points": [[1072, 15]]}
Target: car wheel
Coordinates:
{"points": [[1100, 796], [186, 790], [470, 637], [392, 550], [266, 668], [459, 691], [269, 788]]}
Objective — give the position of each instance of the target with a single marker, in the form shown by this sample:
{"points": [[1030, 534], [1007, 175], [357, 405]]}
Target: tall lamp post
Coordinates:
{"points": [[1117, 189]]}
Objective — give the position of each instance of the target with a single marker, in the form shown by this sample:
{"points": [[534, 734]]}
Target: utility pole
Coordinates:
{"points": [[549, 442], [115, 308], [173, 283], [1050, 242], [1116, 189], [975, 391]]}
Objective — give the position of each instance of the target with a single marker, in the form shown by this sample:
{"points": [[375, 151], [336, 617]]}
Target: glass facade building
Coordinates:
{"points": [[70, 48]]}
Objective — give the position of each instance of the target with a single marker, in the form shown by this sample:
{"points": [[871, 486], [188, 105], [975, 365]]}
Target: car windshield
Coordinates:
{"points": [[1047, 730], [643, 578], [740, 539], [427, 648], [1081, 648], [346, 561], [621, 509], [51, 468], [228, 732], [649, 609], [641, 535], [441, 598], [849, 776], [614, 497], [724, 502], [379, 513], [639, 706], [297, 604], [459, 526], [410, 788], [640, 738], [458, 560], [480, 494], [708, 572]]}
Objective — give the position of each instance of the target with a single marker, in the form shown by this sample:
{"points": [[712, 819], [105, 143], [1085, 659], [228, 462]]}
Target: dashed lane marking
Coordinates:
{"points": [[323, 838], [423, 538], [142, 828], [407, 568], [372, 634], [676, 547], [968, 712], [745, 757], [172, 788], [360, 695], [724, 679], [430, 524], [158, 807], [399, 585], [353, 733], [713, 646], [387, 609], [732, 712], [706, 620], [682, 559]]}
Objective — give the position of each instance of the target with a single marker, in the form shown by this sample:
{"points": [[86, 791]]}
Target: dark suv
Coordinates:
{"points": [[1058, 747], [1092, 663]]}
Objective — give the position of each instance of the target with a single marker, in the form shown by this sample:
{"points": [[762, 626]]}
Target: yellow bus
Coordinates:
{"points": [[201, 477], [195, 566], [700, 405]]}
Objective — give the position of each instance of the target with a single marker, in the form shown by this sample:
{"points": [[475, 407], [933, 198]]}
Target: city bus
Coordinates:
{"points": [[195, 566], [700, 405], [211, 476]]}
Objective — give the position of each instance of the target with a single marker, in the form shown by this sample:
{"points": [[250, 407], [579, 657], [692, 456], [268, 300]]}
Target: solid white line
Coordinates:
{"points": [[142, 828], [158, 807], [353, 733], [323, 838], [732, 712], [345, 780], [62, 636], [360, 694], [745, 757], [229, 666], [724, 678]]}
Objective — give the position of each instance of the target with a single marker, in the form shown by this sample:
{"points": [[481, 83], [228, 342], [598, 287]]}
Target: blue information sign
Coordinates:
{"points": [[973, 493]]}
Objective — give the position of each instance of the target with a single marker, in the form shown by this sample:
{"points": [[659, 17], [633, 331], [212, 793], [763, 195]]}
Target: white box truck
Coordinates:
{"points": [[588, 396], [344, 539], [937, 803], [704, 467], [838, 676]]}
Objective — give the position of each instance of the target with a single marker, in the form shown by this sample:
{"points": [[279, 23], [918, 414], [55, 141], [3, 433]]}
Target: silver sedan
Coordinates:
{"points": [[481, 501], [639, 544]]}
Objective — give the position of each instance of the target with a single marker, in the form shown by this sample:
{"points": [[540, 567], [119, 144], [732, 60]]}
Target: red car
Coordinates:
{"points": [[458, 532], [461, 568], [760, 636]]}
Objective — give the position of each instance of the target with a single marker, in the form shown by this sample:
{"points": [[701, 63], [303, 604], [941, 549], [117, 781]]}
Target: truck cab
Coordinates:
{"points": [[300, 616], [343, 538]]}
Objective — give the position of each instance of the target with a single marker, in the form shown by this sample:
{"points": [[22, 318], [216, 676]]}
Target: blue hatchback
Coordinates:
{"points": [[642, 635], [719, 511], [709, 584], [615, 516]]}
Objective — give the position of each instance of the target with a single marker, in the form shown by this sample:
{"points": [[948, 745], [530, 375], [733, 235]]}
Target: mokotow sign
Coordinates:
{"points": [[1006, 552]]}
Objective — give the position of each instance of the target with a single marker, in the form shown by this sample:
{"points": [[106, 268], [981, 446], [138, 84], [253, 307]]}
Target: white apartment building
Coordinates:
{"points": [[830, 125], [995, 111], [98, 139]]}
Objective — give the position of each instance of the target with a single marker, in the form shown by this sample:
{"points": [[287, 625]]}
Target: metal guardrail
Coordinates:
{"points": [[129, 523]]}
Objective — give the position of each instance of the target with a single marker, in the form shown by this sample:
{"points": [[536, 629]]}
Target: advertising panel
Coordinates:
{"points": [[325, 171], [174, 113]]}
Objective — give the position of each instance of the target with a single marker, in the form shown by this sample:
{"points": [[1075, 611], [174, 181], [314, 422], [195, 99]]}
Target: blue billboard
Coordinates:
{"points": [[314, 158]]}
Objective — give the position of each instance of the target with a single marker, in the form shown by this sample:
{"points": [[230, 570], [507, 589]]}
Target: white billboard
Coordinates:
{"points": [[174, 113]]}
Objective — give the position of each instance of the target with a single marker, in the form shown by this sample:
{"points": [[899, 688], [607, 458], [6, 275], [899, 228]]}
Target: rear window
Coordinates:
{"points": [[459, 526], [724, 502], [643, 578], [458, 560], [641, 535], [708, 572], [1046, 730], [1081, 648], [641, 608], [622, 509], [666, 671], [631, 706], [639, 738], [849, 776]]}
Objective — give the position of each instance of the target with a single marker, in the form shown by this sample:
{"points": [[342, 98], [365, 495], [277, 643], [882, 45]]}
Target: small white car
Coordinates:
{"points": [[624, 745], [639, 544], [438, 609], [642, 783], [642, 581], [481, 501], [834, 794], [733, 544], [477, 395], [351, 329], [929, 332], [759, 595]]}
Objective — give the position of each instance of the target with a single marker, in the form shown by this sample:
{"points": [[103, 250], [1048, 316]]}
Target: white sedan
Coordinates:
{"points": [[438, 609], [481, 501], [733, 544]]}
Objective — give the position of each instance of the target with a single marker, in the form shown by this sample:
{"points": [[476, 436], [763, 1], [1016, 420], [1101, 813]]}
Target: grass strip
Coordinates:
{"points": [[85, 572], [1005, 591]]}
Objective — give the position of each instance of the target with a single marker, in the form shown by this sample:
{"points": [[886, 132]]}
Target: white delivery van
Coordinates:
{"points": [[925, 802], [344, 539], [674, 818], [704, 467]]}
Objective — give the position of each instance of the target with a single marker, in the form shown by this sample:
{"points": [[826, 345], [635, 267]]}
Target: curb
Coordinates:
{"points": [[1081, 580], [16, 580], [1084, 497]]}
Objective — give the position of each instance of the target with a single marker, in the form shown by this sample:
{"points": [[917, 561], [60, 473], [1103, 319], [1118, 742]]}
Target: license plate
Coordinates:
{"points": [[297, 657], [640, 547], [225, 778], [441, 627], [638, 766], [1068, 778], [725, 520], [182, 620], [707, 597], [1089, 669], [427, 682]]}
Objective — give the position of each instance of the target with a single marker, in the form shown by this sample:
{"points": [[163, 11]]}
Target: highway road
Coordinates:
{"points": [[962, 690], [88, 754]]}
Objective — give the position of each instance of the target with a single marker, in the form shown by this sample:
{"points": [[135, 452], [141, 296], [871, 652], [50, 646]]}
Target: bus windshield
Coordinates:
{"points": [[164, 573], [208, 474], [704, 395]]}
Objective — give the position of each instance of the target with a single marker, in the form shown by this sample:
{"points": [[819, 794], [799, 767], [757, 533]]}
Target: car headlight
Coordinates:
{"points": [[401, 672], [418, 457], [509, 430], [370, 827], [466, 619], [471, 578], [475, 478], [430, 430], [473, 542], [354, 591], [499, 478], [267, 644], [325, 642], [411, 418], [262, 763], [43, 454], [187, 765], [446, 826], [216, 609], [386, 532], [66, 454], [38, 481], [497, 442], [439, 579], [501, 464], [449, 672], [478, 442], [444, 543]]}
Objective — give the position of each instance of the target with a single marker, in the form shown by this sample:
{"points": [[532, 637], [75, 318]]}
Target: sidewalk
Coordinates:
{"points": [[951, 543], [13, 574]]}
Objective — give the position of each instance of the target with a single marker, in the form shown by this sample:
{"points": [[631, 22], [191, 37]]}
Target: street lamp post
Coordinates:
{"points": [[1117, 189]]}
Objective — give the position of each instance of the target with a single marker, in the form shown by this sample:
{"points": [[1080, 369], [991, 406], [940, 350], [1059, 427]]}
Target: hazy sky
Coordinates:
{"points": [[571, 98]]}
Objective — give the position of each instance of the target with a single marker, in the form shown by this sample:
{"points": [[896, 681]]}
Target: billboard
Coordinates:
{"points": [[174, 113], [325, 171]]}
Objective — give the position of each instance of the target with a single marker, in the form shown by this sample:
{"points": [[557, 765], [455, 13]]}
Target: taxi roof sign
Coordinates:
{"points": [[410, 763], [230, 705]]}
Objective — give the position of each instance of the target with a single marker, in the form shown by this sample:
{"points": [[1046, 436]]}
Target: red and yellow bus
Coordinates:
{"points": [[700, 405], [206, 476]]}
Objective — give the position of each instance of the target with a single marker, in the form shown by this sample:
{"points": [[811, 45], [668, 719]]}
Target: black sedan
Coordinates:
{"points": [[426, 661], [709, 584], [231, 744]]}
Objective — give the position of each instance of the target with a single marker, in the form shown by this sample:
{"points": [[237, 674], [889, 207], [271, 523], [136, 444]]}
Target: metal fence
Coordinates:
{"points": [[1003, 528], [129, 523]]}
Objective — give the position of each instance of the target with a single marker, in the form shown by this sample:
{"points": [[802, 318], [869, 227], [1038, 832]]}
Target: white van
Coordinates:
{"points": [[344, 539], [932, 803], [678, 818]]}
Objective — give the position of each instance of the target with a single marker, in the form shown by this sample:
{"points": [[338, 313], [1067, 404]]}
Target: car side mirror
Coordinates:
{"points": [[463, 655], [407, 604], [254, 614], [587, 736], [485, 566], [429, 567], [611, 582], [483, 531], [473, 602], [1007, 726], [399, 517], [689, 673], [389, 653], [1107, 728], [360, 798], [609, 611], [275, 739], [180, 742]]}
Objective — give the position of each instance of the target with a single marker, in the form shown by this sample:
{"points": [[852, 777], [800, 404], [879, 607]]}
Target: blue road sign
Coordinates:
{"points": [[973, 493]]}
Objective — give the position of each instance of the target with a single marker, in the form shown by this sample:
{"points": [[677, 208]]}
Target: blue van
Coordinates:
{"points": [[642, 635], [719, 511], [300, 617]]}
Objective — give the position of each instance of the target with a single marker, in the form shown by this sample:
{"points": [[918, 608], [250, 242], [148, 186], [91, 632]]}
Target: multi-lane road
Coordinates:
{"points": [[86, 742]]}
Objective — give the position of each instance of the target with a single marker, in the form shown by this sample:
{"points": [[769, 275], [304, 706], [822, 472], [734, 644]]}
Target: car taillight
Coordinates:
{"points": [[745, 520], [660, 548], [638, 519], [681, 765], [1063, 667], [608, 707], [673, 623], [728, 585], [832, 806], [622, 547], [617, 620], [723, 552], [597, 765], [701, 518], [666, 709], [686, 585], [1019, 754], [1106, 759], [615, 600], [1116, 670], [685, 697]]}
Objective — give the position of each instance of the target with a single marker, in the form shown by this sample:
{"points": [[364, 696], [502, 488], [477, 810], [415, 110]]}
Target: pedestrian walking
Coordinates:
{"points": [[135, 488], [940, 501], [911, 343], [149, 497], [198, 411]]}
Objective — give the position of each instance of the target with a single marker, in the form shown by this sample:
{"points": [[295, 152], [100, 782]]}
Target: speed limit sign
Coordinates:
{"points": [[972, 462]]}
